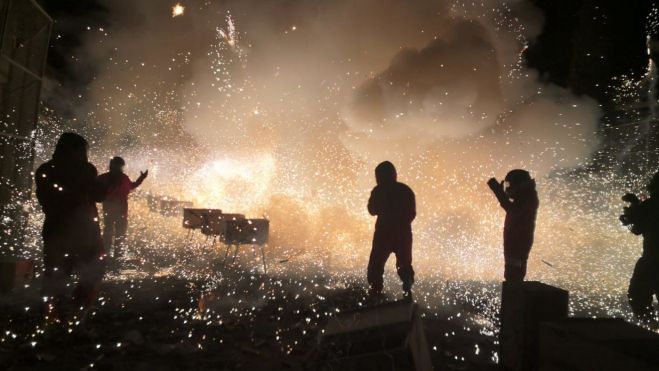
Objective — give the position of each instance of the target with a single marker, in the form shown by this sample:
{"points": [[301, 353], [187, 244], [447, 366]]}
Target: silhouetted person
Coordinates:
{"points": [[518, 197], [67, 192], [393, 203], [115, 205], [643, 219]]}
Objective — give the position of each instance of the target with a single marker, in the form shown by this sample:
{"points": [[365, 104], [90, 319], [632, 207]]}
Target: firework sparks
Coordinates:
{"points": [[259, 141], [229, 34], [178, 10]]}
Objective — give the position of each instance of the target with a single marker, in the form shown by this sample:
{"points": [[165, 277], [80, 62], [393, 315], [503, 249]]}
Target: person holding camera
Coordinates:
{"points": [[519, 198], [642, 218]]}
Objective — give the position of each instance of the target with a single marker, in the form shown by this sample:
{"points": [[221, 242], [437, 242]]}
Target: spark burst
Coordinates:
{"points": [[320, 229], [178, 10]]}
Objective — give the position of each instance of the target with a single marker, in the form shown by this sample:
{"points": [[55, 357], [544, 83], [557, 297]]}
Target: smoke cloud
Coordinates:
{"points": [[450, 88], [284, 108]]}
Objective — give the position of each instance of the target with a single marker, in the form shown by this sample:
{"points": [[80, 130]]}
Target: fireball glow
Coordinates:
{"points": [[259, 122], [177, 10], [242, 114]]}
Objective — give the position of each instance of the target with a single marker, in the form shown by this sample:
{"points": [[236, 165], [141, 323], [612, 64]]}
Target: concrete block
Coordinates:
{"points": [[583, 344], [524, 305], [385, 337]]}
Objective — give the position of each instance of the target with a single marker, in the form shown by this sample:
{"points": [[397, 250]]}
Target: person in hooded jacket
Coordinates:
{"points": [[642, 217], [67, 191], [115, 205], [518, 197], [394, 205]]}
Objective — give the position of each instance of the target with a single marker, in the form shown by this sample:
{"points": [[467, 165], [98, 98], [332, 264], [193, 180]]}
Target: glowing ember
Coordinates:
{"points": [[177, 10]]}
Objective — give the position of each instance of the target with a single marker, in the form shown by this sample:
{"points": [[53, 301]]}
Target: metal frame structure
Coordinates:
{"points": [[234, 242], [227, 229], [24, 39]]}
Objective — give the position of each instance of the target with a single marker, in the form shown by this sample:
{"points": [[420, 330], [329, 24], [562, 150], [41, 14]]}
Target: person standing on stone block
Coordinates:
{"points": [[518, 197], [642, 218], [394, 205], [115, 205]]}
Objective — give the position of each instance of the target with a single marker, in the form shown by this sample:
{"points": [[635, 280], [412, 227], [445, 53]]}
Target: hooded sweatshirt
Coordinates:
{"points": [[393, 202]]}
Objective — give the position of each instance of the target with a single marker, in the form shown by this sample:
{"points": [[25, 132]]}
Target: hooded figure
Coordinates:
{"points": [[394, 205], [115, 205], [519, 198], [643, 219], [67, 191]]}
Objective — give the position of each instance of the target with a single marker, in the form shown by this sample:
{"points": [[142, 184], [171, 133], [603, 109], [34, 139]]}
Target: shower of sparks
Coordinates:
{"points": [[227, 56], [314, 195], [229, 34], [177, 10]]}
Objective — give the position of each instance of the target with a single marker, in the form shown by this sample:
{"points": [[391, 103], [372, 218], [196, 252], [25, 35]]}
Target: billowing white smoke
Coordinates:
{"points": [[457, 88], [448, 89], [378, 74], [292, 118]]}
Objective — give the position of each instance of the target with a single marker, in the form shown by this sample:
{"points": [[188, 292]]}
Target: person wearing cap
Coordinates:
{"points": [[642, 218], [394, 205], [518, 197], [115, 205]]}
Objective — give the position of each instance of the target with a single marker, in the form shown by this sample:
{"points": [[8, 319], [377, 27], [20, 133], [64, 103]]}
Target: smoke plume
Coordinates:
{"points": [[284, 108]]}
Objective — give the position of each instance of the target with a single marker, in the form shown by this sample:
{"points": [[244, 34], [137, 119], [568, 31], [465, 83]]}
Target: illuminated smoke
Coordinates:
{"points": [[284, 108]]}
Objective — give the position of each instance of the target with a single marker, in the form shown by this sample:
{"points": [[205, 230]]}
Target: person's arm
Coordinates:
{"points": [[631, 198], [45, 190], [411, 207], [631, 214], [99, 185], [497, 189], [138, 182], [639, 218], [374, 202]]}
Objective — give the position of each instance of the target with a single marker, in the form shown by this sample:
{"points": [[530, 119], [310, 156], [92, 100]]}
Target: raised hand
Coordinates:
{"points": [[494, 184], [631, 198]]}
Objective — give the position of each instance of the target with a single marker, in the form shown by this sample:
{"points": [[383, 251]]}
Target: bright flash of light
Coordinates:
{"points": [[177, 10], [239, 184], [279, 159]]}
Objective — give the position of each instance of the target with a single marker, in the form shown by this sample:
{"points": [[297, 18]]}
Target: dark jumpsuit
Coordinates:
{"points": [[644, 283], [395, 207], [115, 209], [518, 231]]}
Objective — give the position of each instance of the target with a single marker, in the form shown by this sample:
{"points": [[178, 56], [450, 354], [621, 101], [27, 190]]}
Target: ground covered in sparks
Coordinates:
{"points": [[247, 321], [175, 303]]}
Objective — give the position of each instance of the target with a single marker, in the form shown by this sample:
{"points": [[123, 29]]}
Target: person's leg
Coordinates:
{"points": [[514, 270], [108, 232], [91, 271], [655, 287], [90, 264], [376, 262], [120, 228], [57, 268], [640, 290], [404, 261]]}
